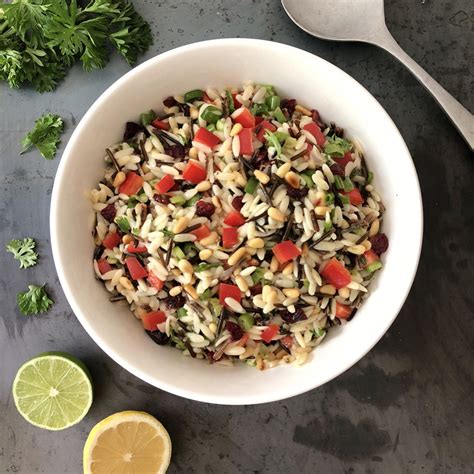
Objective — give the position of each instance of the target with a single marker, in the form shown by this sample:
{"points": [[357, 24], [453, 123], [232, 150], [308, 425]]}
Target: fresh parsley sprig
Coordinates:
{"points": [[45, 136], [33, 301], [24, 251]]}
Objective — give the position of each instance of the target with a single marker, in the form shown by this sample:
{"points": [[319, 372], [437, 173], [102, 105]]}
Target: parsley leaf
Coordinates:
{"points": [[123, 224], [24, 251], [337, 146], [33, 301], [44, 136]]}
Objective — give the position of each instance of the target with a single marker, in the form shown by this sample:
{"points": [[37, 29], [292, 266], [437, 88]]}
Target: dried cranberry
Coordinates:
{"points": [[256, 289], [337, 169], [290, 318], [176, 151], [159, 337], [295, 193], [205, 209], [379, 243], [162, 198], [108, 213], [235, 330], [175, 302], [289, 104], [131, 129], [237, 202], [170, 101]]}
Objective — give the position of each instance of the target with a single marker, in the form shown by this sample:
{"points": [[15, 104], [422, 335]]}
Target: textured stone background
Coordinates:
{"points": [[407, 406]]}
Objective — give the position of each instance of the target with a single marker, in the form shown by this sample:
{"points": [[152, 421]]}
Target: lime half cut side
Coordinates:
{"points": [[53, 390]]}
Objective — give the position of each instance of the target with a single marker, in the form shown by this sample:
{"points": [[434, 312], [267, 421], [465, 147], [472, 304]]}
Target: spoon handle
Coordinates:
{"points": [[462, 119]]}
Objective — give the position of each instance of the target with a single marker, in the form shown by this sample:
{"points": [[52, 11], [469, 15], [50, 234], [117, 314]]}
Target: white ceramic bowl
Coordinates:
{"points": [[296, 74]]}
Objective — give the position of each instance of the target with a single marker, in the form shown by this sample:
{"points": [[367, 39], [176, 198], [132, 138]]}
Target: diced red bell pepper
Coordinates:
{"points": [[104, 266], [343, 311], [132, 184], [161, 124], [201, 232], [287, 341], [269, 333], [355, 197], [132, 248], [230, 237], [205, 137], [244, 117], [343, 160], [111, 240], [285, 251], [234, 219], [165, 184], [154, 281], [316, 132], [370, 257], [136, 269], [237, 104], [229, 291], [243, 340], [151, 320], [246, 141], [258, 120], [194, 172], [263, 127], [336, 274]]}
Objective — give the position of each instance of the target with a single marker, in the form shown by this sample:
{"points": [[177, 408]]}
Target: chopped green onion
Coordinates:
{"points": [[246, 321], [281, 136], [215, 305], [279, 115], [374, 266], [178, 200], [220, 125], [191, 96], [308, 180], [123, 223], [290, 142], [329, 198], [206, 295], [273, 141], [230, 101], [370, 177], [190, 250], [177, 253], [348, 184], [211, 114], [167, 233], [327, 225], [259, 109], [270, 88], [338, 182], [319, 332], [147, 117], [257, 275], [337, 146], [181, 312], [203, 266], [193, 200], [273, 102], [251, 185], [344, 199], [211, 127], [136, 231]]}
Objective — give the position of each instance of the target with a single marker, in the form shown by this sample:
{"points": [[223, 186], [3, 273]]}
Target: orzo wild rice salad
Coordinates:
{"points": [[237, 225]]}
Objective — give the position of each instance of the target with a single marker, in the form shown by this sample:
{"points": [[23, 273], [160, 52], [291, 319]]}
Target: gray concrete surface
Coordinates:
{"points": [[407, 406]]}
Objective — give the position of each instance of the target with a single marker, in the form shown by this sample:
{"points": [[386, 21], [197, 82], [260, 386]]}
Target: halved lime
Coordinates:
{"points": [[53, 390]]}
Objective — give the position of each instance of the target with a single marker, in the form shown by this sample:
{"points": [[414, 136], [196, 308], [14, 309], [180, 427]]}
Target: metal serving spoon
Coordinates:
{"points": [[364, 20]]}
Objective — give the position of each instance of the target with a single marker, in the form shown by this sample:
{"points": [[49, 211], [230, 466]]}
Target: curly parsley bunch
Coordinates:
{"points": [[41, 39]]}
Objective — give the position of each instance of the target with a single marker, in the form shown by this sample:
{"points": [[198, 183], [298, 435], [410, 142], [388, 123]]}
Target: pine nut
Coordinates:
{"points": [[193, 153], [374, 228], [291, 292], [127, 238], [303, 110], [145, 168], [283, 170], [194, 113], [367, 244], [276, 214], [191, 291], [212, 238], [262, 177], [119, 178], [292, 179], [176, 290], [274, 265], [213, 327], [125, 282], [242, 284], [266, 290], [239, 179], [251, 251], [182, 223], [328, 290], [321, 210], [205, 254], [140, 312], [256, 243], [304, 250], [203, 186], [185, 266], [216, 201], [236, 256], [344, 292], [356, 249], [236, 129], [288, 270], [272, 297]]}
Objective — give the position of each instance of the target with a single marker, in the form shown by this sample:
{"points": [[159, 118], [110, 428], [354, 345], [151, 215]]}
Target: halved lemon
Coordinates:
{"points": [[131, 442]]}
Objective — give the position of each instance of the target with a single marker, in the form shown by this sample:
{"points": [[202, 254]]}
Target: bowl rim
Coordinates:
{"points": [[69, 292]]}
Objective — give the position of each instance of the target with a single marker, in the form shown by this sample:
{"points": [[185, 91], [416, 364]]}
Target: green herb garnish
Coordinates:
{"points": [[273, 141], [206, 295], [147, 117], [230, 101], [337, 146], [177, 253], [178, 200], [370, 177], [251, 185], [374, 266], [348, 185], [191, 96], [246, 321], [258, 276], [279, 115], [259, 109], [45, 134], [338, 182], [273, 102], [24, 251], [193, 200], [123, 224], [33, 301], [202, 267], [181, 312], [211, 114], [167, 233]]}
